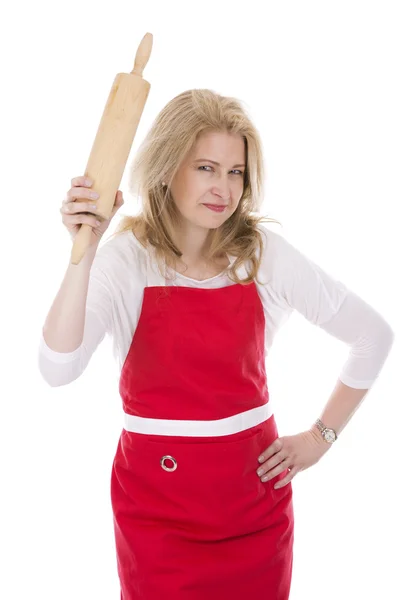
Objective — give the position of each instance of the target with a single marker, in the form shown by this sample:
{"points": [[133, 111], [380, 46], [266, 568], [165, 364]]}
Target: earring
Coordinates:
{"points": [[163, 183]]}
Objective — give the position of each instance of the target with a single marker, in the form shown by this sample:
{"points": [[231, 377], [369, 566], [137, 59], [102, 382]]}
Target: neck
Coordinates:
{"points": [[192, 242]]}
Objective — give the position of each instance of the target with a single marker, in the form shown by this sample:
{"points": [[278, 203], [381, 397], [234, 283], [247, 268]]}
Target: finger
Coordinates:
{"points": [[76, 193], [81, 181], [286, 479], [282, 466], [80, 219], [271, 462], [276, 446], [78, 207]]}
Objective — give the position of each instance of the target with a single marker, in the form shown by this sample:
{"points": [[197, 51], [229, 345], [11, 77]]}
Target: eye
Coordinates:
{"points": [[238, 171]]}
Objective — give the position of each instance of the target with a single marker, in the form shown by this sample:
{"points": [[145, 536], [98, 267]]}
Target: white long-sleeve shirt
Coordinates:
{"points": [[290, 281]]}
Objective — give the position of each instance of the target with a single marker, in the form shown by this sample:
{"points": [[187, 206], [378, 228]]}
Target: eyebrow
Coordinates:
{"points": [[216, 163]]}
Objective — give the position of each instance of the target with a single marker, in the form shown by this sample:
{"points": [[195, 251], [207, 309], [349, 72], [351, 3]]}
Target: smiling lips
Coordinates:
{"points": [[216, 207]]}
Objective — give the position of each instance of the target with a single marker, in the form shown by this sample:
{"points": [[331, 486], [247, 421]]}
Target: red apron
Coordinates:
{"points": [[192, 519]]}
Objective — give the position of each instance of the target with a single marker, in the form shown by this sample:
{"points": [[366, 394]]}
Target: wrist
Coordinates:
{"points": [[317, 438]]}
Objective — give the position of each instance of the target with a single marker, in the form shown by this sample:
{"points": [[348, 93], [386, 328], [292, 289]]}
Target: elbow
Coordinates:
{"points": [[392, 334], [55, 383], [58, 375], [386, 336], [55, 380]]}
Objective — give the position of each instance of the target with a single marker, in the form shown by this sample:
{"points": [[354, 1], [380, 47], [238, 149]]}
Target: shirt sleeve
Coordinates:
{"points": [[299, 284], [61, 368]]}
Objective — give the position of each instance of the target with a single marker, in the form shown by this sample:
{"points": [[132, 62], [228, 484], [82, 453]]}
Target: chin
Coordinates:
{"points": [[208, 221], [215, 221]]}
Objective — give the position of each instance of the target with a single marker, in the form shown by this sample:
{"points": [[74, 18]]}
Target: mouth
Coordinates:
{"points": [[216, 207]]}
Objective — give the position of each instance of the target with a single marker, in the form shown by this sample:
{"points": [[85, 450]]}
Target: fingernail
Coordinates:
{"points": [[264, 478], [260, 458], [259, 471], [88, 181], [93, 195], [98, 222]]}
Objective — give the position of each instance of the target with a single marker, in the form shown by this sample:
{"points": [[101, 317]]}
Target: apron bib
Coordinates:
{"points": [[192, 519]]}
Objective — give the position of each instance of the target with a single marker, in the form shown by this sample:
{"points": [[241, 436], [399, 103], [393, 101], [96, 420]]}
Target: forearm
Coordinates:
{"points": [[64, 325], [341, 406]]}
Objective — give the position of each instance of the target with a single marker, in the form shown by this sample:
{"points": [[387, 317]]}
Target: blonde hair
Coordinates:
{"points": [[172, 135]]}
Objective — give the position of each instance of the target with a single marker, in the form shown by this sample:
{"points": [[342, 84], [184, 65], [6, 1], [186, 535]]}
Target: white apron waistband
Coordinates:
{"points": [[235, 424]]}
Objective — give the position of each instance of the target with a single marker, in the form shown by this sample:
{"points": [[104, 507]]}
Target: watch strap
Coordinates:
{"points": [[322, 427]]}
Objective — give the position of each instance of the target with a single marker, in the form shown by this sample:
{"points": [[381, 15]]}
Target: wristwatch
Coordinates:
{"points": [[329, 435]]}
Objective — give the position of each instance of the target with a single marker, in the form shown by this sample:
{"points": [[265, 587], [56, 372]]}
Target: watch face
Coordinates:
{"points": [[329, 435]]}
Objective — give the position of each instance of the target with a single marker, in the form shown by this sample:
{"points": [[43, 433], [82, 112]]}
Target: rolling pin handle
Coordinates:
{"points": [[143, 54]]}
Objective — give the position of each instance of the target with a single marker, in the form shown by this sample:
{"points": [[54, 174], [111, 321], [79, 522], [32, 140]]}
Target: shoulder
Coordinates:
{"points": [[277, 253], [298, 280], [119, 244], [274, 241], [283, 265], [120, 254], [282, 251]]}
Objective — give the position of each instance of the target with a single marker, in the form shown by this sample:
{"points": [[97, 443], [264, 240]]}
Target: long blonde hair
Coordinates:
{"points": [[172, 135]]}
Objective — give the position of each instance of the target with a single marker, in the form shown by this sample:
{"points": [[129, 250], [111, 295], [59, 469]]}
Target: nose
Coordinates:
{"points": [[221, 189]]}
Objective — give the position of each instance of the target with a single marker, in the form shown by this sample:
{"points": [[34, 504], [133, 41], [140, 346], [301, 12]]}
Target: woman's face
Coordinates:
{"points": [[209, 184]]}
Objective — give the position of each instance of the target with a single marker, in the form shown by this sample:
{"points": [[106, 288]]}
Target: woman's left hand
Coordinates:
{"points": [[294, 452]]}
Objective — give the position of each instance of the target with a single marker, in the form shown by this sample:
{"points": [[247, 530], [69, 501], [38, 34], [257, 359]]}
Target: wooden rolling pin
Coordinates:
{"points": [[114, 140]]}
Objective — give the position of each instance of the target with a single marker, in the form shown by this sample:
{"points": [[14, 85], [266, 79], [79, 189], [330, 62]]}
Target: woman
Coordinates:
{"points": [[192, 291]]}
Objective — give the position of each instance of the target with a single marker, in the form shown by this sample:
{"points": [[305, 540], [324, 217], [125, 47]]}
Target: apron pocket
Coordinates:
{"points": [[205, 486]]}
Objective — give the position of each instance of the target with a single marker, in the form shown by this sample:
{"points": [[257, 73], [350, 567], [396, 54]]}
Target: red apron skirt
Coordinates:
{"points": [[192, 519]]}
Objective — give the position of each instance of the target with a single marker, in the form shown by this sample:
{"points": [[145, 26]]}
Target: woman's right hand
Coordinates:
{"points": [[79, 202]]}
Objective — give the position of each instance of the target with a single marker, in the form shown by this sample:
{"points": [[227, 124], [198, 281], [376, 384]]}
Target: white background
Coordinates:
{"points": [[321, 82]]}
